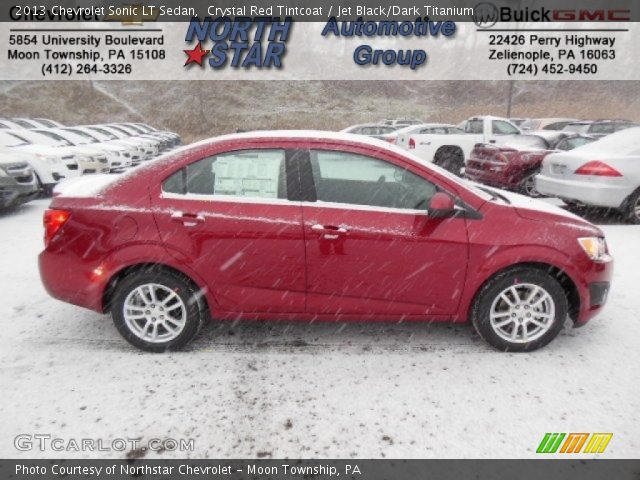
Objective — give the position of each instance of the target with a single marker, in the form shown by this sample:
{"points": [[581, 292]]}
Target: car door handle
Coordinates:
{"points": [[187, 219], [329, 232]]}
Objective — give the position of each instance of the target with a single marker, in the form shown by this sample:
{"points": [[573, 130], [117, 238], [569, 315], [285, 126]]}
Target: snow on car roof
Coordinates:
{"points": [[624, 142]]}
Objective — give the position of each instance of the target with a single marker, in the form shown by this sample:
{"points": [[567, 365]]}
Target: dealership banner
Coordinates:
{"points": [[319, 41], [296, 469]]}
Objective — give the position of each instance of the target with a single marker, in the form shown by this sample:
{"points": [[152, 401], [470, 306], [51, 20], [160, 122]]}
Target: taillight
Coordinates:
{"points": [[597, 168], [53, 220], [500, 158], [412, 144]]}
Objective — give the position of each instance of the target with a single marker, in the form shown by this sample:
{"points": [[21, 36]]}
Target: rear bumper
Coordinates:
{"points": [[589, 193], [497, 179], [71, 281]]}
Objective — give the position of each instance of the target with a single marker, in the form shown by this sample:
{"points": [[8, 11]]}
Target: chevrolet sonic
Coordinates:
{"points": [[302, 226]]}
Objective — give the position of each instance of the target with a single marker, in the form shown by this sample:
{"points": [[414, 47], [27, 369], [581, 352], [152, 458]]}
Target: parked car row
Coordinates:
{"points": [[495, 151], [37, 154]]}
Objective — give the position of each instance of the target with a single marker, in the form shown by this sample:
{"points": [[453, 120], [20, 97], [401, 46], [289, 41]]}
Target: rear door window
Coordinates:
{"points": [[245, 173]]}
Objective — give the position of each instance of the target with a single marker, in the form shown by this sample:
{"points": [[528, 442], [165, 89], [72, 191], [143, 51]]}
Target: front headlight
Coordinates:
{"points": [[594, 247]]}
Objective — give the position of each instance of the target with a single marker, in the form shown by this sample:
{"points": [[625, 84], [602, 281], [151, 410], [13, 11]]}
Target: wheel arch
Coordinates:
{"points": [[453, 148], [109, 290], [564, 279]]}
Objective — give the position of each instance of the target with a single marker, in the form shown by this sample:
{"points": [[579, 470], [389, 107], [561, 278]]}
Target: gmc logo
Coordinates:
{"points": [[592, 15]]}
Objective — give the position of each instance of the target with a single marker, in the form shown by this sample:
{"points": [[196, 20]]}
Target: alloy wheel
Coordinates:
{"points": [[522, 313], [154, 313]]}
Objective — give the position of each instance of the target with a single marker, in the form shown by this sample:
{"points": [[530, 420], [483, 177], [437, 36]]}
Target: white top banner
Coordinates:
{"points": [[333, 50]]}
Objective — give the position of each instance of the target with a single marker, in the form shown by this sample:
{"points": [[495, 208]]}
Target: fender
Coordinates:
{"points": [[502, 259], [148, 253]]}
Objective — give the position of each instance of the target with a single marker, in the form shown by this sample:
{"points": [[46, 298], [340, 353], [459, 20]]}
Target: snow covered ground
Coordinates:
{"points": [[310, 390]]}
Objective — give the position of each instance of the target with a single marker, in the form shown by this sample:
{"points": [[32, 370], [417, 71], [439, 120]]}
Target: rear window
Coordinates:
{"points": [[530, 125], [473, 126], [556, 126], [576, 128]]}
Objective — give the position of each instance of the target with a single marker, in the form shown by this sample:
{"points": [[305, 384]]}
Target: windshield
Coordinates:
{"points": [[106, 133], [32, 136], [8, 139], [81, 134], [55, 136]]}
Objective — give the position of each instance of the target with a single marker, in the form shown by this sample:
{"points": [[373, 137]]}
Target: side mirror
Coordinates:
{"points": [[441, 206]]}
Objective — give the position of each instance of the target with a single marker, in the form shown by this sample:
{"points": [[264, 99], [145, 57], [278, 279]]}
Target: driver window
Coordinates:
{"points": [[503, 128], [342, 177]]}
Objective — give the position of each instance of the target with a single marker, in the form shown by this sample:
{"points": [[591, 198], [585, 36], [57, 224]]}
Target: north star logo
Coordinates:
{"points": [[240, 43]]}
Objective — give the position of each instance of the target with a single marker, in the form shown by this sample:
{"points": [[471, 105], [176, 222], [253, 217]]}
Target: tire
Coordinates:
{"points": [[45, 190], [632, 211], [450, 159], [175, 313], [528, 186], [495, 320]]}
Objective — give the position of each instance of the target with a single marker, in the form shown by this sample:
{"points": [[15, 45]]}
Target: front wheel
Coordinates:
{"points": [[156, 310], [520, 310]]}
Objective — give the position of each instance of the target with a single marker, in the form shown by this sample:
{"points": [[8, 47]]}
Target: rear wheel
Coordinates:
{"points": [[520, 310], [156, 310], [633, 208], [528, 186]]}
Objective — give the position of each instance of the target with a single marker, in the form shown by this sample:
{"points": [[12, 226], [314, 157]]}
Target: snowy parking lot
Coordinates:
{"points": [[329, 390]]}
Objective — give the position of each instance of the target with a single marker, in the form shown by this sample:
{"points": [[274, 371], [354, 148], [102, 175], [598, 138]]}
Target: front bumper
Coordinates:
{"points": [[15, 194], [590, 193], [594, 289]]}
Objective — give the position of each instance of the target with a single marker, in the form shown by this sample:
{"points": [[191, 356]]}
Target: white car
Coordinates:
{"points": [[45, 161], [451, 150], [133, 151], [403, 135], [117, 156], [151, 145], [8, 124], [605, 173], [373, 130], [84, 160], [144, 148]]}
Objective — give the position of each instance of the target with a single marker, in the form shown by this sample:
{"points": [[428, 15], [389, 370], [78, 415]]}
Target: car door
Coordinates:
{"points": [[371, 248], [229, 218]]}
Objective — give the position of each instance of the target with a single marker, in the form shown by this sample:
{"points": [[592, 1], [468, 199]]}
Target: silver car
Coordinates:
{"points": [[605, 173]]}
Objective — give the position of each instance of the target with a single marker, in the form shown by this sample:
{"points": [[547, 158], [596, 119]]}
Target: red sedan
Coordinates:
{"points": [[514, 166], [316, 226]]}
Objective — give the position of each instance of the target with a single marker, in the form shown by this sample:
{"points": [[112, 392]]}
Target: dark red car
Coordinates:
{"points": [[514, 166], [316, 226]]}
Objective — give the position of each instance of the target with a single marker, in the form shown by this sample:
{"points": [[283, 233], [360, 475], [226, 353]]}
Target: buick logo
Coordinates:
{"points": [[485, 15]]}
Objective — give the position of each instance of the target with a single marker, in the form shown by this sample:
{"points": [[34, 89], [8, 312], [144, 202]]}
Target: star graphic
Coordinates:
{"points": [[195, 55]]}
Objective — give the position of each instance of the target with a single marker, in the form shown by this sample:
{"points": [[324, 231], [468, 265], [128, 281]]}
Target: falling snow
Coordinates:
{"points": [[251, 389]]}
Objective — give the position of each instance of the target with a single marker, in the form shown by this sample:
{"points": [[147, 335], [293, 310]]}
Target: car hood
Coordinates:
{"points": [[41, 149], [533, 209], [12, 155]]}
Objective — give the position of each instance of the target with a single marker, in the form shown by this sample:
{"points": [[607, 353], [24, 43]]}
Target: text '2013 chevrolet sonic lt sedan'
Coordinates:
{"points": [[306, 226]]}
